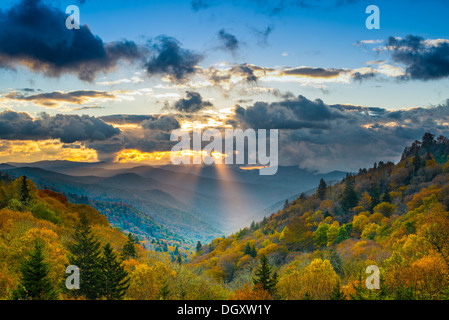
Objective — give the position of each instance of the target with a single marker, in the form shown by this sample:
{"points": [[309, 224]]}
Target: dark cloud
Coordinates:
{"points": [[165, 123], [246, 71], [324, 137], [295, 113], [34, 35], [51, 99], [360, 77], [170, 59], [193, 102], [423, 60], [66, 128], [229, 42]]}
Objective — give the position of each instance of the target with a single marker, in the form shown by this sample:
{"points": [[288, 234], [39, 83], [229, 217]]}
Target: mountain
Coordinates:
{"points": [[394, 217], [47, 219], [200, 202]]}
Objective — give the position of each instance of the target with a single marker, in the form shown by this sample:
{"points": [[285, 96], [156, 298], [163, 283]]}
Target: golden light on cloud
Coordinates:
{"points": [[373, 126], [253, 167], [211, 123], [160, 157], [30, 151]]}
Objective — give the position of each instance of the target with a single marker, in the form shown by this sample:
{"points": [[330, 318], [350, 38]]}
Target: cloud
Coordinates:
{"points": [[424, 59], [34, 35], [295, 113], [126, 118], [170, 59], [66, 128], [318, 136], [52, 99], [193, 102], [274, 7], [229, 42], [165, 123], [314, 72], [262, 35]]}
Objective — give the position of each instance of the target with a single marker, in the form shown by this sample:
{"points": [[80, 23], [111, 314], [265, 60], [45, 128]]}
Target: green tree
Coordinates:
{"points": [[251, 250], [417, 162], [264, 277], [85, 254], [320, 235], [198, 246], [114, 280], [349, 198], [129, 249], [337, 293], [24, 195], [375, 197], [35, 283], [164, 291], [386, 197], [321, 191]]}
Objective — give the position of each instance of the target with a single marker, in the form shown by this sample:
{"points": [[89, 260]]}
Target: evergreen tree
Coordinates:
{"points": [[321, 191], [251, 250], [129, 249], [307, 296], [164, 291], [85, 254], [386, 197], [428, 139], [375, 196], [337, 293], [35, 283], [417, 162], [264, 276], [198, 246], [349, 197], [24, 191], [286, 204], [336, 262], [114, 280]]}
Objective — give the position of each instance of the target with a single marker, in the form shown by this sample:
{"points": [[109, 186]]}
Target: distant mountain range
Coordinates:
{"points": [[197, 202]]}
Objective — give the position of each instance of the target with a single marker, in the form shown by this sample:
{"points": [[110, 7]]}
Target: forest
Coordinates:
{"points": [[393, 216]]}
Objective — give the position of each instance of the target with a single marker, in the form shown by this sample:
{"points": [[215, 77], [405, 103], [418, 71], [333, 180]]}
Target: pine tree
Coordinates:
{"points": [[264, 278], [417, 162], [179, 258], [114, 280], [375, 197], [321, 191], [251, 250], [129, 249], [164, 291], [307, 296], [35, 283], [349, 197], [24, 191], [337, 293], [386, 197], [198, 246], [85, 254]]}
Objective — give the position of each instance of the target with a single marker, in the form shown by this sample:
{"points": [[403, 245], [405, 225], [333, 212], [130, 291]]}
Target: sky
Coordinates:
{"points": [[342, 96]]}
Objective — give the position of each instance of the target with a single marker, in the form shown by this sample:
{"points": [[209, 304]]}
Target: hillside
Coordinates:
{"points": [[29, 216], [197, 202], [394, 216]]}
